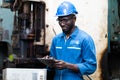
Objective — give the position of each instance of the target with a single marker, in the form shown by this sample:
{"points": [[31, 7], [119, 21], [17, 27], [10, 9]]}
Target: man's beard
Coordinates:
{"points": [[68, 31]]}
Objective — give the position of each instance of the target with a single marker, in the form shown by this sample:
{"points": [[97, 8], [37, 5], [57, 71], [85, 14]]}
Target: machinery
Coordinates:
{"points": [[28, 35], [29, 28]]}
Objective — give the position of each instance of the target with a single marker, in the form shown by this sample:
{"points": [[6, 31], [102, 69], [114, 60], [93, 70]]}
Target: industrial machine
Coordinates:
{"points": [[29, 28], [28, 35]]}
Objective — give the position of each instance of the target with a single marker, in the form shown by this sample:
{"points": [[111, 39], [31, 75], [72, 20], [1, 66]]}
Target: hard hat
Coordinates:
{"points": [[66, 8]]}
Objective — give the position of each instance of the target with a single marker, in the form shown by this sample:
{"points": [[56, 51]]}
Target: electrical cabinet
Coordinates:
{"points": [[24, 74]]}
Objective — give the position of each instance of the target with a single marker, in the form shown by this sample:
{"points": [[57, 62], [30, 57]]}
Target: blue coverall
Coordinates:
{"points": [[78, 49]]}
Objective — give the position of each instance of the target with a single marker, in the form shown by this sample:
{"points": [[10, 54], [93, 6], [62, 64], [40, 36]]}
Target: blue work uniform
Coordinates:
{"points": [[78, 49]]}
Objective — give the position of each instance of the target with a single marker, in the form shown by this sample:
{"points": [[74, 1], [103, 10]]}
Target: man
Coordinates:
{"points": [[73, 49]]}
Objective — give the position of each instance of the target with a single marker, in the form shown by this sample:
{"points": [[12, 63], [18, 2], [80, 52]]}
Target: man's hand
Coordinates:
{"points": [[59, 64]]}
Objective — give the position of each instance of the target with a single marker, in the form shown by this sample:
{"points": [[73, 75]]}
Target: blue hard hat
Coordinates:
{"points": [[66, 8]]}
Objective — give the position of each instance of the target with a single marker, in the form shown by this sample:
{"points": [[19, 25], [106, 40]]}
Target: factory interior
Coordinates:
{"points": [[24, 27]]}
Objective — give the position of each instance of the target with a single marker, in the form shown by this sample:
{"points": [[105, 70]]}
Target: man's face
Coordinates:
{"points": [[67, 23]]}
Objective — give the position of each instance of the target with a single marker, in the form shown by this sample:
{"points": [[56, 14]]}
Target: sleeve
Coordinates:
{"points": [[52, 49], [89, 64], [52, 54]]}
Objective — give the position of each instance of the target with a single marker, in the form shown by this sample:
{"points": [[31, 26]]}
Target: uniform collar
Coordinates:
{"points": [[73, 33]]}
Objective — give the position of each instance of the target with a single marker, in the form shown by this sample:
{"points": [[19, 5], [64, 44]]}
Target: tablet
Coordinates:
{"points": [[48, 62]]}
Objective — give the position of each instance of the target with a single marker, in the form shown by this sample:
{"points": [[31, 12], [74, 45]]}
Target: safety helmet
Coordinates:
{"points": [[66, 8]]}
